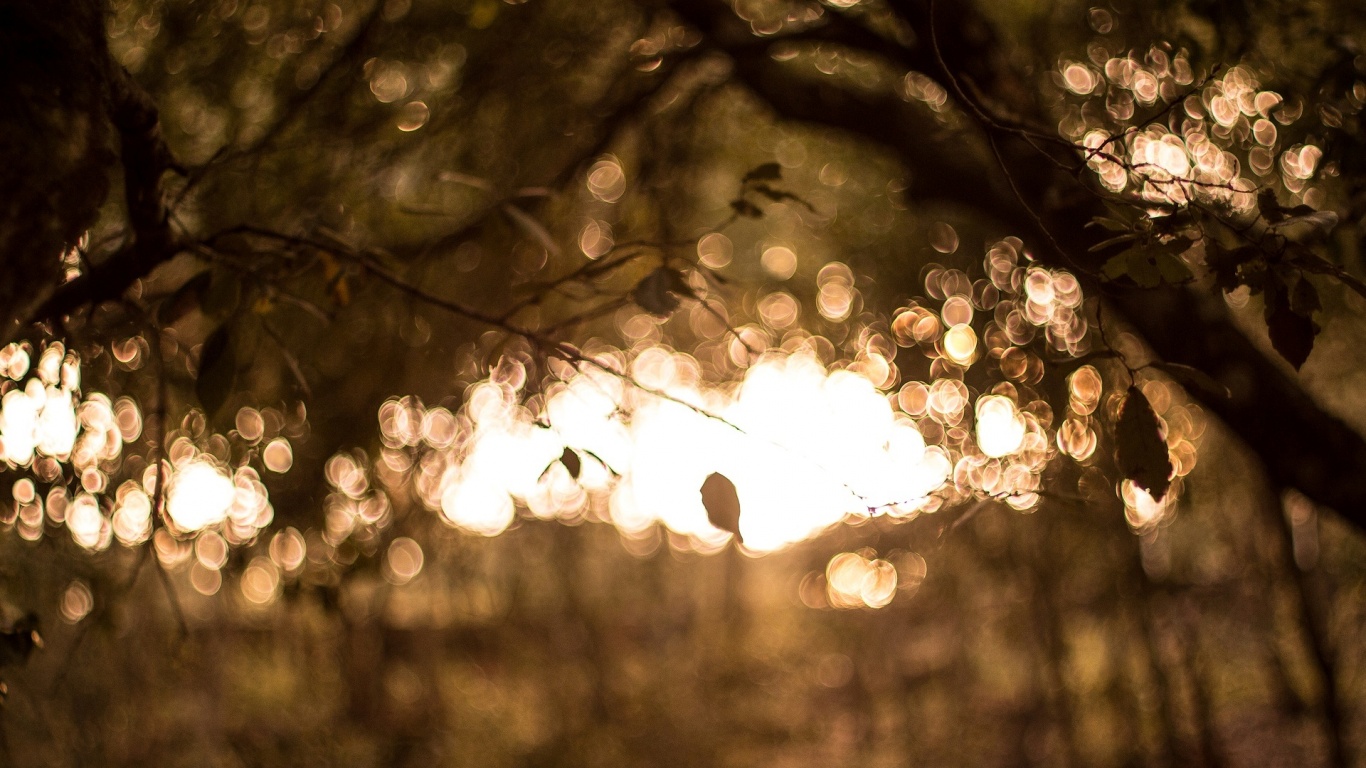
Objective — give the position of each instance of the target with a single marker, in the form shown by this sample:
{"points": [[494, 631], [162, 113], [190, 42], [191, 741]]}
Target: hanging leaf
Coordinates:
{"points": [[1268, 207], [1195, 381], [223, 295], [658, 292], [187, 298], [571, 462], [1109, 224], [1292, 334], [1140, 448], [1116, 240], [1304, 298], [745, 208], [1233, 268], [722, 504], [765, 172], [1306, 227], [779, 195], [1141, 268], [1172, 269], [1116, 267], [217, 371]]}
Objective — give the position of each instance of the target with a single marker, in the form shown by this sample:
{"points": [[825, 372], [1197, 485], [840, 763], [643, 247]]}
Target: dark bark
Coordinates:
{"points": [[54, 152], [68, 103]]}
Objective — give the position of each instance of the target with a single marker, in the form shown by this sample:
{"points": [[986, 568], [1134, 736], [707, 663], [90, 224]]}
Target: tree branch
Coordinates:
{"points": [[1301, 445]]}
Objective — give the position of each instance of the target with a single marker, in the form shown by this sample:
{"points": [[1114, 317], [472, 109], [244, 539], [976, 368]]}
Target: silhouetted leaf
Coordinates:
{"points": [[746, 208], [1304, 298], [1307, 228], [1230, 266], [217, 371], [1116, 266], [1195, 381], [1268, 207], [722, 504], [223, 295], [779, 195], [658, 292], [571, 462], [765, 172], [1172, 269], [1141, 268], [1140, 449], [1292, 334], [1106, 243], [187, 298], [1109, 224]]}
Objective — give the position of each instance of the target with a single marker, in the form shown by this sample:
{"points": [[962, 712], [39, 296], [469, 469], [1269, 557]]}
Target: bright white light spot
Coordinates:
{"points": [[1000, 428], [200, 496], [478, 506]]}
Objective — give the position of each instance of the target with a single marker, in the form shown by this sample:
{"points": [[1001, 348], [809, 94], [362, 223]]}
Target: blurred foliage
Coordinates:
{"points": [[375, 196]]}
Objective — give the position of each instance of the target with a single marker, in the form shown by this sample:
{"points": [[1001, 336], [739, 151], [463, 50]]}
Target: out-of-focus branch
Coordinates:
{"points": [[145, 158]]}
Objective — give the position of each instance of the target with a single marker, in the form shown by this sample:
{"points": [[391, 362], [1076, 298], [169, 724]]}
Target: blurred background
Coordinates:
{"points": [[397, 461]]}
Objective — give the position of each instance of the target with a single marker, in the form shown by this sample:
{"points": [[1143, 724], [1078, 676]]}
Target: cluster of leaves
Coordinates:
{"points": [[1154, 247], [662, 291], [1270, 254]]}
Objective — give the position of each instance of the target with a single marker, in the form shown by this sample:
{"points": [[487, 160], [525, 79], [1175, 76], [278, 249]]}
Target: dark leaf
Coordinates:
{"points": [[1195, 381], [1308, 228], [778, 196], [1109, 224], [1128, 214], [571, 462], [1292, 334], [188, 297], [1268, 207], [1140, 448], [765, 172], [658, 292], [217, 371], [746, 208], [1176, 246], [1106, 243], [1228, 266], [1304, 298], [1142, 269], [1172, 269], [722, 504], [1116, 266], [1172, 222], [223, 295]]}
